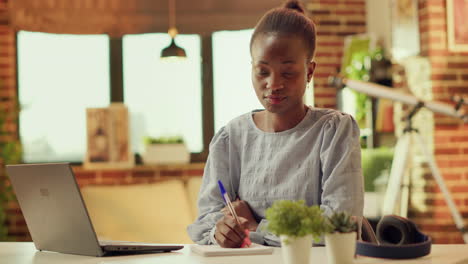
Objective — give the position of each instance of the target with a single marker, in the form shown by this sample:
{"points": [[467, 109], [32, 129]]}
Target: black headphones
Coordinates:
{"points": [[396, 238]]}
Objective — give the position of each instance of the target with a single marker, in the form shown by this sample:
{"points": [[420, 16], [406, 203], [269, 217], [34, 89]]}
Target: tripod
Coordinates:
{"points": [[399, 167]]}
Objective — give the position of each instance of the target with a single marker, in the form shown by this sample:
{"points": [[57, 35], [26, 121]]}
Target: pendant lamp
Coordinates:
{"points": [[172, 51]]}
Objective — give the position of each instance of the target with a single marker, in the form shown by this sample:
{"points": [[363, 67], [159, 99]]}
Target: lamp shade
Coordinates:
{"points": [[173, 51]]}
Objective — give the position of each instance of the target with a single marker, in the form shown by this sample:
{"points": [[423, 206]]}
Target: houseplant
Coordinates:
{"points": [[10, 153], [340, 239], [165, 150], [297, 225]]}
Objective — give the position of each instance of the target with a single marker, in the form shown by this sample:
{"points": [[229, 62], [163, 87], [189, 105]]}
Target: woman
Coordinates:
{"points": [[288, 151]]}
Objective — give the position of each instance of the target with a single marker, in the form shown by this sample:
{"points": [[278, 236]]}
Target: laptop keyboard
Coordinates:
{"points": [[113, 242]]}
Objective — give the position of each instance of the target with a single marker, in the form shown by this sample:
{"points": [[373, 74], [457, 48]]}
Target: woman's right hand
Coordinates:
{"points": [[242, 209], [229, 234]]}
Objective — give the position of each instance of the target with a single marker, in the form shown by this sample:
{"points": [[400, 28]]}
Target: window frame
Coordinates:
{"points": [[117, 88], [16, 98]]}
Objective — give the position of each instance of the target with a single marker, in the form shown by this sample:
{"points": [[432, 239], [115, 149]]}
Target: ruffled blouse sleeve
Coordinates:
{"points": [[210, 201]]}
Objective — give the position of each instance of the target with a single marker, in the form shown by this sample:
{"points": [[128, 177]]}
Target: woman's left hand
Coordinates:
{"points": [[242, 209]]}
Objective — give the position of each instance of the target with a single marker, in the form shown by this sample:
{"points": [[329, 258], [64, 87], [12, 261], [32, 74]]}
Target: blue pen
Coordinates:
{"points": [[227, 200]]}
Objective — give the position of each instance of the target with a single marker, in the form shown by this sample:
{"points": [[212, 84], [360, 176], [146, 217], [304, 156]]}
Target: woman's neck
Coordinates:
{"points": [[272, 122]]}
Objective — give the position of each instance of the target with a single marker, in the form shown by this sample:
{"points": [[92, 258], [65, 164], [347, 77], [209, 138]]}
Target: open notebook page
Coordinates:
{"points": [[215, 250]]}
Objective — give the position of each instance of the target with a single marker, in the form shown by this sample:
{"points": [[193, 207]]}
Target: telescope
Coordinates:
{"points": [[381, 91], [400, 164]]}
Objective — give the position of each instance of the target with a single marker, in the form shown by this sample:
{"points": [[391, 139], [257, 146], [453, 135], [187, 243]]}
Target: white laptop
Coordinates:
{"points": [[56, 215]]}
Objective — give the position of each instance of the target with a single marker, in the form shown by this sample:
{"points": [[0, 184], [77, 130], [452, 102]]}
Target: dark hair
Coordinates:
{"points": [[290, 19]]}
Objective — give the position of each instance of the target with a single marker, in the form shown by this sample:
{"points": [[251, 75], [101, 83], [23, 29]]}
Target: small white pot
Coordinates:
{"points": [[340, 247], [296, 250], [166, 154]]}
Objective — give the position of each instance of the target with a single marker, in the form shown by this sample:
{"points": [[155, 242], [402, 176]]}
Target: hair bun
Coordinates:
{"points": [[296, 5]]}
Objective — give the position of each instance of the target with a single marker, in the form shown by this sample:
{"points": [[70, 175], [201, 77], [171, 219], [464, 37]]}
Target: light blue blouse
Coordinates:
{"points": [[319, 161]]}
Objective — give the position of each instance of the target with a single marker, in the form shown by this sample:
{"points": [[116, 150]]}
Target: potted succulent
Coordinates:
{"points": [[165, 150], [297, 225], [340, 240]]}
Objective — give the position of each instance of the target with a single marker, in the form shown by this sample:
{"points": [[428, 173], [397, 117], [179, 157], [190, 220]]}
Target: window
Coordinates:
{"points": [[59, 77], [164, 98], [233, 91]]}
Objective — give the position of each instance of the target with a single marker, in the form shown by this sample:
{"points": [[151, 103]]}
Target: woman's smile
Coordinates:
{"points": [[275, 99]]}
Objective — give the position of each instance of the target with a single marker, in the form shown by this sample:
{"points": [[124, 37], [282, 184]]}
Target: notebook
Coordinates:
{"points": [[215, 250], [57, 217]]}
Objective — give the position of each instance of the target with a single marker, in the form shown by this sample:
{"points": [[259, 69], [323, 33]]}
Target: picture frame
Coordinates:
{"points": [[108, 138], [457, 25]]}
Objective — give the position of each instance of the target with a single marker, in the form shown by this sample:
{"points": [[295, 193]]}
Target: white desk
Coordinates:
{"points": [[25, 253]]}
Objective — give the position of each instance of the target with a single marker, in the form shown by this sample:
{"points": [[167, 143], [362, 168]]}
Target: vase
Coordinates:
{"points": [[296, 250], [340, 247]]}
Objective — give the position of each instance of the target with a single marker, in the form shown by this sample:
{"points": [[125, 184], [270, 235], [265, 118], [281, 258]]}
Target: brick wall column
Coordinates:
{"points": [[8, 98], [335, 19], [449, 77]]}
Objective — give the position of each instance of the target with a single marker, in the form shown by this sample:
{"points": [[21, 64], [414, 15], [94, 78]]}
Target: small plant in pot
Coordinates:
{"points": [[165, 150], [297, 225], [340, 240]]}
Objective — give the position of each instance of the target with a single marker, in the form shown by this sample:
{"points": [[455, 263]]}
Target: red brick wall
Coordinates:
{"points": [[7, 70], [7, 83], [449, 77], [335, 19]]}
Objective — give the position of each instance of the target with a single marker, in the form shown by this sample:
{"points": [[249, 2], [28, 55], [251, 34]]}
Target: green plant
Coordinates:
{"points": [[341, 222], [359, 69], [10, 153], [374, 162], [164, 140], [295, 219]]}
